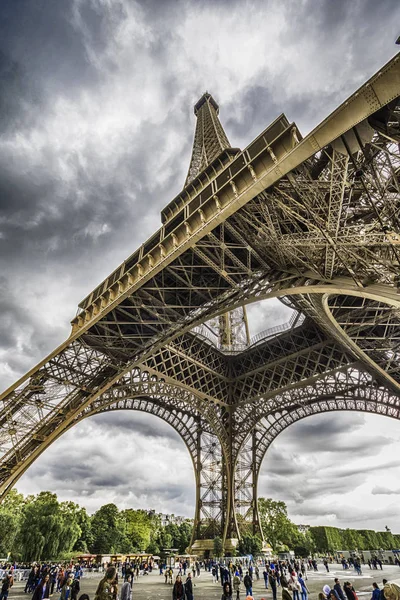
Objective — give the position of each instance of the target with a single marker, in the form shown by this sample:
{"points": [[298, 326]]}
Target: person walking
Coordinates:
{"points": [[29, 584], [304, 589], [265, 575], [107, 588], [189, 587], [294, 586], [236, 584], [272, 582]]}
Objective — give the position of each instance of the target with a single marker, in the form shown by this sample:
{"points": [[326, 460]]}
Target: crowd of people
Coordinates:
{"points": [[235, 577], [44, 579]]}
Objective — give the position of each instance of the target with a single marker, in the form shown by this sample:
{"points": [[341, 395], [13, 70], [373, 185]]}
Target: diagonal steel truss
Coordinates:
{"points": [[313, 221]]}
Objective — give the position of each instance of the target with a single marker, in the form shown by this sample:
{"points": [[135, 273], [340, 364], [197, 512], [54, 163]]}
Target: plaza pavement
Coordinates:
{"points": [[152, 587]]}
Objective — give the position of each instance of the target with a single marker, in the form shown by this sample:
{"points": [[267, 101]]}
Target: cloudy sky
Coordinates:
{"points": [[96, 126]]}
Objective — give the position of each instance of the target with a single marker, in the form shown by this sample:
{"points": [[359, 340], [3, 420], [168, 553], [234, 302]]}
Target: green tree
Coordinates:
{"points": [[349, 539], [250, 544], [106, 530], [85, 540], [173, 531], [48, 528], [137, 528], [218, 547], [185, 535], [11, 511], [153, 548], [275, 523]]}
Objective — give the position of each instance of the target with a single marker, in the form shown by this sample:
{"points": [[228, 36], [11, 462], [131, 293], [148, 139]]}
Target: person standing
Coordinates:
{"points": [[272, 582], [42, 590], [60, 579], [226, 591], [189, 587], [248, 584], [376, 592], [391, 590], [6, 585], [126, 589], [286, 595], [75, 588], [66, 590], [349, 591], [178, 592], [338, 589], [53, 579]]}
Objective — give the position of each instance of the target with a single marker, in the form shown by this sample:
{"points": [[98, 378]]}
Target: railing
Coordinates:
{"points": [[18, 574], [295, 320]]}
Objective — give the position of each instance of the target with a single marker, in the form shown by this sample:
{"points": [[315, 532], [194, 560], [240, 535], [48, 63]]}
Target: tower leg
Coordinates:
{"points": [[210, 511]]}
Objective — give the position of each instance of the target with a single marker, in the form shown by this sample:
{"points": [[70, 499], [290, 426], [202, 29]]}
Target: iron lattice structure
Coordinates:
{"points": [[312, 221]]}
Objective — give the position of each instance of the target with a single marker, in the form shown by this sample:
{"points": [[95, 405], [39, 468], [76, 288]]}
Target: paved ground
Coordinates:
{"points": [[152, 587]]}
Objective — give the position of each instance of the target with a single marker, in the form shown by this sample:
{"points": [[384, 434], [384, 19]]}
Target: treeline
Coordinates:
{"points": [[281, 533], [42, 528], [329, 539]]}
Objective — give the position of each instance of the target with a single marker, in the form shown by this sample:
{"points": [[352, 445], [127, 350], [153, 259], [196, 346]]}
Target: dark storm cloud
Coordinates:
{"points": [[55, 46], [333, 434], [342, 32], [104, 464], [351, 514], [300, 482], [135, 423], [308, 467], [69, 198], [384, 491]]}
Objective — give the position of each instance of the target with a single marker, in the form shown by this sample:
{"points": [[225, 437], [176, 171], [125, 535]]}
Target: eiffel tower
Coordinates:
{"points": [[313, 221]]}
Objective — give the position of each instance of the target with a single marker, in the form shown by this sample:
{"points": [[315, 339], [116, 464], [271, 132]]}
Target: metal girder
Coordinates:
{"points": [[313, 220]]}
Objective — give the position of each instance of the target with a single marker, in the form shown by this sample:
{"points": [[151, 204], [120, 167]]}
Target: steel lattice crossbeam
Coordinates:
{"points": [[313, 221]]}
